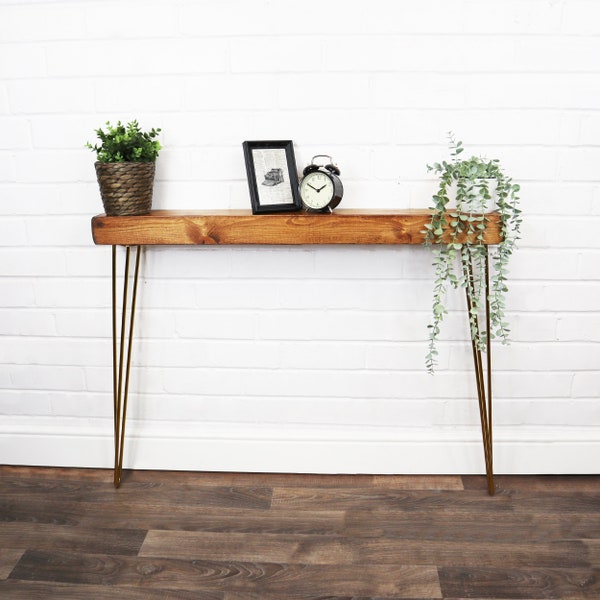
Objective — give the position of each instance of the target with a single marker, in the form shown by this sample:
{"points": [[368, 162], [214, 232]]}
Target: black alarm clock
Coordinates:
{"points": [[321, 188]]}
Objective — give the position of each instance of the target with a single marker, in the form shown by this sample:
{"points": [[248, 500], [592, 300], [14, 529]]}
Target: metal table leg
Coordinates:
{"points": [[122, 350], [484, 396], [122, 356]]}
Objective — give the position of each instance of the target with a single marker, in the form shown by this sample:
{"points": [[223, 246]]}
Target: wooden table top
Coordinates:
{"points": [[345, 226]]}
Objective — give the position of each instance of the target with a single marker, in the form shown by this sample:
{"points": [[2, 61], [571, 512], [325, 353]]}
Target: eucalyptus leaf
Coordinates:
{"points": [[462, 261]]}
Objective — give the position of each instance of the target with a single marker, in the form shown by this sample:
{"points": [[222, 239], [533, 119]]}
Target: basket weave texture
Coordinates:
{"points": [[126, 187]]}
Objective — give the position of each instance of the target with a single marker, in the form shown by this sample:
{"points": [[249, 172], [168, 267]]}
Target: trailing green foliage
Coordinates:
{"points": [[126, 143], [457, 235]]}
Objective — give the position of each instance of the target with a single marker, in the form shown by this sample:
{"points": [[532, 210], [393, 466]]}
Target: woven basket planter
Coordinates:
{"points": [[126, 187]]}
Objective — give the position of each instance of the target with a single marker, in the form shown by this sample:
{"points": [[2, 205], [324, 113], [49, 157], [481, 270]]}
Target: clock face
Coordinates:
{"points": [[316, 190]]}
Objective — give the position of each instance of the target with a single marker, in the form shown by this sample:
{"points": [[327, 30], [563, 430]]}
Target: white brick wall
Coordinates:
{"points": [[306, 359]]}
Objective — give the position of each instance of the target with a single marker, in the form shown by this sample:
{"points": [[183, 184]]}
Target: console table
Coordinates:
{"points": [[238, 227]]}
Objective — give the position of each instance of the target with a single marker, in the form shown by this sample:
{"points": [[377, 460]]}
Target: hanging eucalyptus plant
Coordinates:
{"points": [[456, 235]]}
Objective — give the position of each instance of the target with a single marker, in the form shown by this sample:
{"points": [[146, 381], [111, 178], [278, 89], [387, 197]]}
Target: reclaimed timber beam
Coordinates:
{"points": [[172, 227]]}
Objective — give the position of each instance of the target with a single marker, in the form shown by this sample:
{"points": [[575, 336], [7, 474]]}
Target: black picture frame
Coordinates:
{"points": [[272, 176]]}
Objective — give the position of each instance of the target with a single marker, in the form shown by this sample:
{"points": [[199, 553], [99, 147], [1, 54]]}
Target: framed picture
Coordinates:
{"points": [[272, 176]]}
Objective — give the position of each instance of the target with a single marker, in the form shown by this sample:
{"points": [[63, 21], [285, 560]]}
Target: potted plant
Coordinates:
{"points": [[126, 160], [456, 234]]}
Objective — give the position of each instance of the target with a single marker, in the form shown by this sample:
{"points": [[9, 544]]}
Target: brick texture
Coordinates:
{"points": [[321, 346]]}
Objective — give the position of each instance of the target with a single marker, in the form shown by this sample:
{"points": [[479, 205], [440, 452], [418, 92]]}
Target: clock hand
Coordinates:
{"points": [[321, 187], [313, 187]]}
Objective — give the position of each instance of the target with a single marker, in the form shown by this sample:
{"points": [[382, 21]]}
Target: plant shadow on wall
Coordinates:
{"points": [[457, 236]]}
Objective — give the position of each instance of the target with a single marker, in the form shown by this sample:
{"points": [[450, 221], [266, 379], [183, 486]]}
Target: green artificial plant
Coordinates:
{"points": [[126, 143], [456, 235]]}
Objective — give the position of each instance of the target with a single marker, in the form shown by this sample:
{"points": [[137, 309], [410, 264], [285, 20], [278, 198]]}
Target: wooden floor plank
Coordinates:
{"points": [[33, 590], [202, 575], [416, 482], [206, 479], [248, 547], [332, 550], [460, 526], [520, 583], [568, 554], [8, 559], [56, 473], [472, 501], [546, 483], [300, 596], [392, 499], [36, 509], [13, 488], [213, 479], [556, 503], [18, 535], [593, 546]]}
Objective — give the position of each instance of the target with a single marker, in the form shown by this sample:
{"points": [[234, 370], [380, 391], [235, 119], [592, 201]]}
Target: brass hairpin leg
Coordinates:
{"points": [[484, 396], [120, 359]]}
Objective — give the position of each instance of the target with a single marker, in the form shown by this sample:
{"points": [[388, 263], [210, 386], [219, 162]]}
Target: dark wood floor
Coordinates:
{"points": [[67, 533]]}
